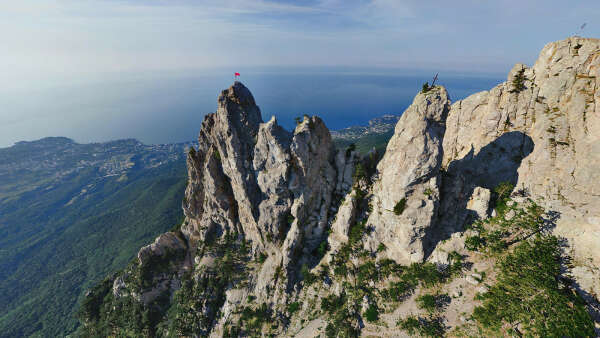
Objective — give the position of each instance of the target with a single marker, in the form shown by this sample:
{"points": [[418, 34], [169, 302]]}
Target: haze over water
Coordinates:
{"points": [[166, 108]]}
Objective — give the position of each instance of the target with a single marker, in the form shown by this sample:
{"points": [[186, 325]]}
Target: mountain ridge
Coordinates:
{"points": [[466, 191]]}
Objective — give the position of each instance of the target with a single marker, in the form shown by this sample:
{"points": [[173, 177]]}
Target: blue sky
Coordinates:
{"points": [[86, 37], [62, 44]]}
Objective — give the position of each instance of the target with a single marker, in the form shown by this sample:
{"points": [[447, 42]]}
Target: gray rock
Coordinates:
{"points": [[409, 172]]}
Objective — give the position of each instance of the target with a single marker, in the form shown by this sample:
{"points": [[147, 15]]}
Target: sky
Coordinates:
{"points": [[69, 66]]}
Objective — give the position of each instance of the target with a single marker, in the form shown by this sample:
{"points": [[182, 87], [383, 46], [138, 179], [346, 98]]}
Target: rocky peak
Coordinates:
{"points": [[236, 107], [406, 195], [268, 212]]}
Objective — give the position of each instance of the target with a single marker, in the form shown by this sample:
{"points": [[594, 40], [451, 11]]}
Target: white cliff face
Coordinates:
{"points": [[409, 174], [544, 138]]}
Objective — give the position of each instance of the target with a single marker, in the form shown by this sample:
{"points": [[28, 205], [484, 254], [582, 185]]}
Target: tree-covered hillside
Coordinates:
{"points": [[72, 213]]}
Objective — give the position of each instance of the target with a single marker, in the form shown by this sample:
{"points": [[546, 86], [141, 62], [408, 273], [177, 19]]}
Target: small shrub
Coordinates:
{"points": [[518, 83], [359, 172], [473, 243], [531, 294], [293, 307], [427, 303], [356, 232], [426, 88], [397, 291], [372, 313], [307, 276], [321, 250], [261, 258], [432, 303], [430, 327], [425, 273], [400, 206], [501, 196], [381, 247]]}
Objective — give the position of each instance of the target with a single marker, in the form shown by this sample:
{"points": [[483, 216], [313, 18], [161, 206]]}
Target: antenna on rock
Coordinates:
{"points": [[434, 79], [581, 28]]}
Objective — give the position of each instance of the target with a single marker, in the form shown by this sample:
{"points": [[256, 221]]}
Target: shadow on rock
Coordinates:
{"points": [[495, 163]]}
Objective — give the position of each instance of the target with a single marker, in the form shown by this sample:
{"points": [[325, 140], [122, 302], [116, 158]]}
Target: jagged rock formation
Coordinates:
{"points": [[540, 131], [406, 194], [269, 212]]}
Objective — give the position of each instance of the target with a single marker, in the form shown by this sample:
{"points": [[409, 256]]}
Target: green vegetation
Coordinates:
{"points": [[530, 298], [494, 235], [428, 192], [426, 88], [253, 320], [217, 155], [55, 247], [400, 206], [425, 327], [372, 313], [518, 83], [293, 307], [501, 195], [432, 303], [172, 311], [261, 258], [307, 276]]}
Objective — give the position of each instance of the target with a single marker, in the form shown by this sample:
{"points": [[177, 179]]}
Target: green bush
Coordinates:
{"points": [[372, 313], [356, 232], [426, 88], [262, 257], [397, 291], [293, 307], [359, 172], [425, 273], [432, 303], [530, 294], [425, 327], [501, 196], [400, 206], [427, 303], [322, 248], [307, 276], [473, 243], [518, 83]]}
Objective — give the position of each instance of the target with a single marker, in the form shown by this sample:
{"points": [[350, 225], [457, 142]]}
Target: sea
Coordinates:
{"points": [[168, 107]]}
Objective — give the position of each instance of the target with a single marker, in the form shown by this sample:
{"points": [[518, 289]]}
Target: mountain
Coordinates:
{"points": [[479, 220], [364, 138], [72, 213]]}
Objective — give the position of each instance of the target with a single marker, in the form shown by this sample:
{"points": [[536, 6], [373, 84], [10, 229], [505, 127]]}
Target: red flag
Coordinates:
{"points": [[237, 74]]}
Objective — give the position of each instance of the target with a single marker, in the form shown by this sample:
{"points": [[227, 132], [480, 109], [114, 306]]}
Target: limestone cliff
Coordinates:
{"points": [[284, 235]]}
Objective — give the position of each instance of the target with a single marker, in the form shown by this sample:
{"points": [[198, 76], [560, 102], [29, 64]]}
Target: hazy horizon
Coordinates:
{"points": [[170, 108], [98, 70]]}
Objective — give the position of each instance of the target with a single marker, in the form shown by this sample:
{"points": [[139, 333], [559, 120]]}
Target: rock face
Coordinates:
{"points": [[539, 130], [406, 195], [273, 187], [299, 207]]}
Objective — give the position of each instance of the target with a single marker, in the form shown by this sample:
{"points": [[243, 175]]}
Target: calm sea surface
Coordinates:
{"points": [[165, 108]]}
